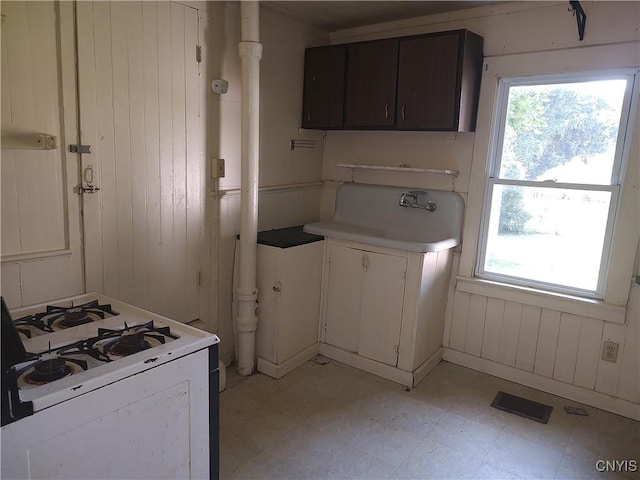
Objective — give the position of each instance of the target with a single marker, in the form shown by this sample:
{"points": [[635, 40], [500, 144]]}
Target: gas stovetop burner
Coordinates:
{"points": [[130, 343], [47, 371], [130, 340], [55, 364], [74, 317], [58, 318]]}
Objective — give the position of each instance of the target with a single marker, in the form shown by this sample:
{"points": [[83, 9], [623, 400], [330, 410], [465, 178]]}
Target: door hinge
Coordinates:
{"points": [[404, 274], [199, 278], [198, 53], [80, 148], [397, 349]]}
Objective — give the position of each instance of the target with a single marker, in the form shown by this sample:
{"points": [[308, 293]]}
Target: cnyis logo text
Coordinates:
{"points": [[617, 465]]}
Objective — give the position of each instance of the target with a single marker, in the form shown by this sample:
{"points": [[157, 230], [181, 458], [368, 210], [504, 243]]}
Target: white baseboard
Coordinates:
{"points": [[424, 369], [280, 370], [549, 385], [380, 369]]}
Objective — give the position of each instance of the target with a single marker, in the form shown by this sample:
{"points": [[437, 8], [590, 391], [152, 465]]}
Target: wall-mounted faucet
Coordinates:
{"points": [[417, 199]]}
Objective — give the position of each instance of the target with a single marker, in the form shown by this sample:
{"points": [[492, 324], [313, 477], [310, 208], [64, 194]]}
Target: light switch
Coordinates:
{"points": [[217, 167]]}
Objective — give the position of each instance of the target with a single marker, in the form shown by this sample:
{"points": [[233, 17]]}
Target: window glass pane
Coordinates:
{"points": [[549, 235], [565, 132]]}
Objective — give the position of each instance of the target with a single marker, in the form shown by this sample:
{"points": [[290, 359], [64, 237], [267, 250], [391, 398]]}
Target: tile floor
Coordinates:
{"points": [[330, 421]]}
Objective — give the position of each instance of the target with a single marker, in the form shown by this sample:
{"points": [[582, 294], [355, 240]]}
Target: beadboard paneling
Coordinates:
{"points": [[549, 343], [41, 242], [33, 181], [140, 98]]}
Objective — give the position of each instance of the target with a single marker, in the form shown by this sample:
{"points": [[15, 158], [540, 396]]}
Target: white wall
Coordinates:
{"points": [[40, 216], [549, 343], [289, 180]]}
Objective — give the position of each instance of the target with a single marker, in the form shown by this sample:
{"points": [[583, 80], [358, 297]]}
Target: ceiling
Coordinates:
{"points": [[336, 15]]}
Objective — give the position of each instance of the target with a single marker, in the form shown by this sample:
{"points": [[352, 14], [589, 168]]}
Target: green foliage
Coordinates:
{"points": [[549, 126], [513, 215]]}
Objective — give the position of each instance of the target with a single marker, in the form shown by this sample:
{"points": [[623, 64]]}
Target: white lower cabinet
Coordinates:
{"points": [[364, 302], [289, 281], [383, 309]]}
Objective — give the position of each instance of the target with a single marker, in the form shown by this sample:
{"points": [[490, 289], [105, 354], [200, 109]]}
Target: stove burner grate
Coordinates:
{"points": [[130, 340], [57, 317], [23, 323], [58, 363]]}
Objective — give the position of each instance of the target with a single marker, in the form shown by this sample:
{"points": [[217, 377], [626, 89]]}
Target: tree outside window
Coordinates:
{"points": [[554, 181]]}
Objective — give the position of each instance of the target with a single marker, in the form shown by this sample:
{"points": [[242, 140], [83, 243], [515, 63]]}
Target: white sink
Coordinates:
{"points": [[372, 214]]}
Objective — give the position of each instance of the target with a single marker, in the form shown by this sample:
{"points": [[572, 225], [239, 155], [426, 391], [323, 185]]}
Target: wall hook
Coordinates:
{"points": [[581, 17]]}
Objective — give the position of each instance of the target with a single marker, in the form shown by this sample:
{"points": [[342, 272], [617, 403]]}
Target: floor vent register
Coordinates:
{"points": [[535, 411]]}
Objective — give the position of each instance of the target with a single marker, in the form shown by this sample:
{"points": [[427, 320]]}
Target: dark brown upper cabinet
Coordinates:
{"points": [[323, 101], [371, 84], [423, 82], [439, 81]]}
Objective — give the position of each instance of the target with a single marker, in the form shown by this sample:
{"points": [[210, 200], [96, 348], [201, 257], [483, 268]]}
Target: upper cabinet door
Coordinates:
{"points": [[438, 81], [323, 102], [371, 84]]}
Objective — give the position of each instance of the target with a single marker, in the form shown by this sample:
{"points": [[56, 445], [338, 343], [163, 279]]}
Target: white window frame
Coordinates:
{"points": [[614, 187]]}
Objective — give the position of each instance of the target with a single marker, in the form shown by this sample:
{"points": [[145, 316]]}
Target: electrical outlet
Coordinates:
{"points": [[610, 351]]}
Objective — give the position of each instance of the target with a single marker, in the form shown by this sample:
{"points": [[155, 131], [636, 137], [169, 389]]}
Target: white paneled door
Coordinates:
{"points": [[41, 254], [139, 93]]}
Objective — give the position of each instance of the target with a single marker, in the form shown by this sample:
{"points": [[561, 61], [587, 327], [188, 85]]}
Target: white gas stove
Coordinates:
{"points": [[96, 388]]}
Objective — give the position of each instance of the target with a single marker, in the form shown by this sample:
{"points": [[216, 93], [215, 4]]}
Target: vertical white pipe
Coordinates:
{"points": [[250, 54]]}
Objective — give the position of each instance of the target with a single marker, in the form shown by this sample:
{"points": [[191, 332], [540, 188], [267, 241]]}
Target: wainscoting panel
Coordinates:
{"points": [[557, 345]]}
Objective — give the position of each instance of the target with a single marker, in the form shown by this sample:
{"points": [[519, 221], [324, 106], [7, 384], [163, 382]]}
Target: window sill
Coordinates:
{"points": [[554, 301]]}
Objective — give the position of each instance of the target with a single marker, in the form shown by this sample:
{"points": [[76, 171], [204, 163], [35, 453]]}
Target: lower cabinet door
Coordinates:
{"points": [[381, 313], [344, 297]]}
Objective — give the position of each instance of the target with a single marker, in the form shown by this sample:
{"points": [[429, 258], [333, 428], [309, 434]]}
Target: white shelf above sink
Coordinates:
{"points": [[438, 171]]}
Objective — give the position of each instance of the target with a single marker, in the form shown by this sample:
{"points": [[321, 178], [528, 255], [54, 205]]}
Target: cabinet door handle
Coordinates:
{"points": [[403, 113], [386, 110]]}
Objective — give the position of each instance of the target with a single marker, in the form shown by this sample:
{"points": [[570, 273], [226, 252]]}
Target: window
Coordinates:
{"points": [[554, 181]]}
